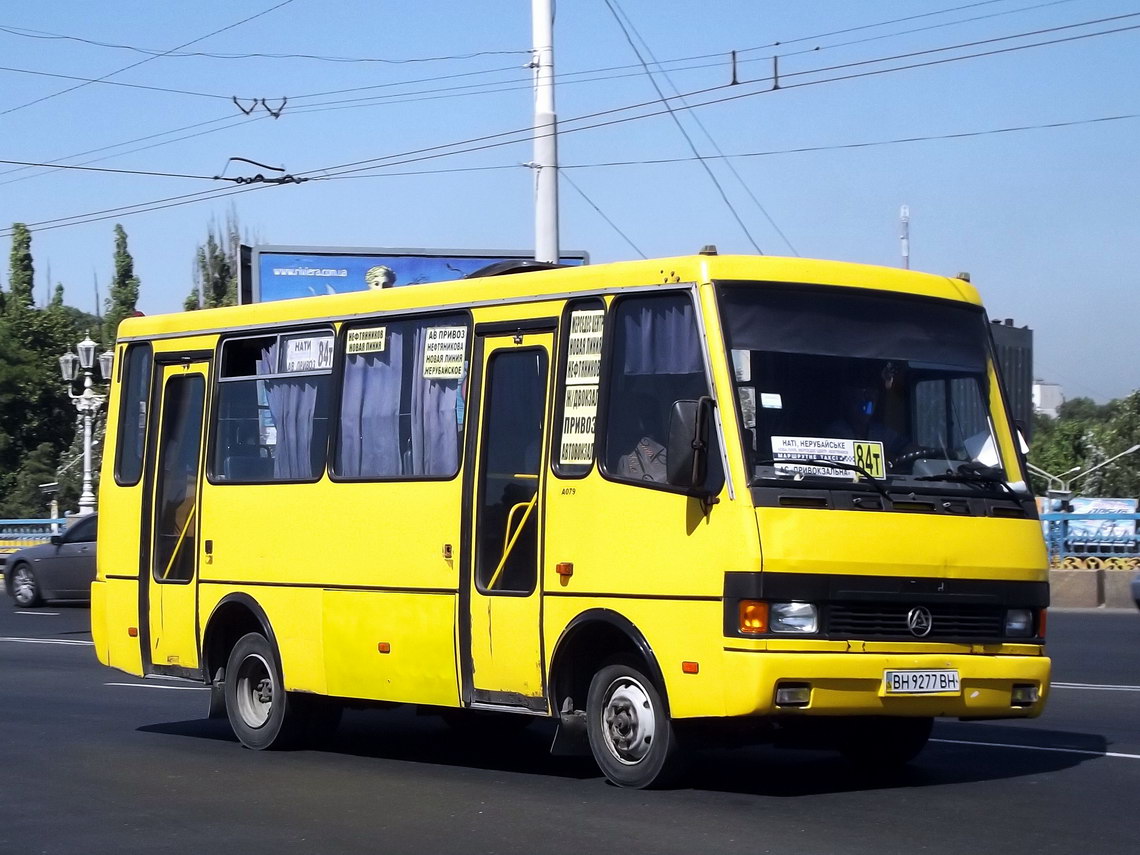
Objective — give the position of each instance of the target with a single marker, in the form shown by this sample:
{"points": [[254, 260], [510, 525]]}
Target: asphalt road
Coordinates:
{"points": [[94, 761]]}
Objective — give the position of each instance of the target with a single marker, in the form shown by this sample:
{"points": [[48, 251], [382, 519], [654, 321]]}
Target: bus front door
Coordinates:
{"points": [[176, 475], [506, 447]]}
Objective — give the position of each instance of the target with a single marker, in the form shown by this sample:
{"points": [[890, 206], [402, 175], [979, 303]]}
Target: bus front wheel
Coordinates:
{"points": [[259, 709], [631, 736]]}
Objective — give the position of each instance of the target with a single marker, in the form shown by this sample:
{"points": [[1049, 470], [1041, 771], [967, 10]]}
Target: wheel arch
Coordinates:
{"points": [[234, 615], [587, 641]]}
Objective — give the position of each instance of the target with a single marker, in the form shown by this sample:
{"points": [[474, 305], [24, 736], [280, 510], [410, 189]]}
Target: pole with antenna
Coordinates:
{"points": [[545, 163], [904, 235]]}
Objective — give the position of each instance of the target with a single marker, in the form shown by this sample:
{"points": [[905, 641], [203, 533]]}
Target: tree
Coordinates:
{"points": [[21, 277], [124, 288], [217, 263]]}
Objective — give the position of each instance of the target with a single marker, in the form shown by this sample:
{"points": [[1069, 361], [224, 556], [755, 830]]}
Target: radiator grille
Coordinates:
{"points": [[888, 620]]}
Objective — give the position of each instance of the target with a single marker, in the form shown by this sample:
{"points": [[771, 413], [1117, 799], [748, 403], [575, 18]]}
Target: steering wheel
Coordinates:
{"points": [[914, 454]]}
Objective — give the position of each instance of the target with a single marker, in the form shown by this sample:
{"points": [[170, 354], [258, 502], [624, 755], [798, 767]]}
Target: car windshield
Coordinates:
{"points": [[844, 383]]}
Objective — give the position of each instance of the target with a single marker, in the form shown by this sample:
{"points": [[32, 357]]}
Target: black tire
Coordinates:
{"points": [[631, 736], [24, 587], [883, 743], [262, 714]]}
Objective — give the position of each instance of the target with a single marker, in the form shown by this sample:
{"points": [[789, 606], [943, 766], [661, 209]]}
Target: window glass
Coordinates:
{"points": [[273, 402], [894, 385], [506, 559], [135, 391], [82, 531], [581, 363], [176, 523], [656, 362], [401, 406]]}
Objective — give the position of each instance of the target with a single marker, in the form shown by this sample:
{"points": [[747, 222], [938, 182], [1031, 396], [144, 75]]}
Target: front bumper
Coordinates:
{"points": [[852, 683]]}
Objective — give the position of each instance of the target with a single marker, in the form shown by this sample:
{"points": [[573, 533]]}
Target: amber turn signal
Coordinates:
{"points": [[133, 631], [753, 617], [384, 647]]}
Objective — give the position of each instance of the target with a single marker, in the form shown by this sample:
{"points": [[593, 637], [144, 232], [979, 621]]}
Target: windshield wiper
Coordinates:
{"points": [[831, 464], [974, 472]]}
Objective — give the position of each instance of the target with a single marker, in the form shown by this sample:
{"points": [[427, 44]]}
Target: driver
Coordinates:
{"points": [[862, 398]]}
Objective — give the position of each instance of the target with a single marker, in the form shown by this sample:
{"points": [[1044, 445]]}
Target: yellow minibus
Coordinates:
{"points": [[643, 500]]}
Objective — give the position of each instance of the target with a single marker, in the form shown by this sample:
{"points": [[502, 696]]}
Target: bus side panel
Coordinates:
{"points": [[294, 616], [676, 631], [388, 646], [114, 611]]}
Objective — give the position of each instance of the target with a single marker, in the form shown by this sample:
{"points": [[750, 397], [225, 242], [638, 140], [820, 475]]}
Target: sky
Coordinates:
{"points": [[1009, 128]]}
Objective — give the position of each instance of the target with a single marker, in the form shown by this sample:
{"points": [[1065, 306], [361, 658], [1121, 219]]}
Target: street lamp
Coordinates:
{"points": [[1069, 483], [88, 403], [1058, 478]]}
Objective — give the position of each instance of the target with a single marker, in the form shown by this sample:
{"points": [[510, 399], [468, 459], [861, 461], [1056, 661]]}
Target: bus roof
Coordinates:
{"points": [[565, 281]]}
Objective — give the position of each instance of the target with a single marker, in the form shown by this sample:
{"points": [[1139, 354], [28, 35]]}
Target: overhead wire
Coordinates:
{"points": [[433, 152], [502, 87], [601, 213], [697, 119], [246, 20]]}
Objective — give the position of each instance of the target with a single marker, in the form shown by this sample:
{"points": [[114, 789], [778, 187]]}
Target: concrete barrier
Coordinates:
{"points": [[1083, 588]]}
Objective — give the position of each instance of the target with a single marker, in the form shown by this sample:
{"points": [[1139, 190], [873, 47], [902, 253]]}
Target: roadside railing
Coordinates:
{"points": [[1092, 541], [16, 534]]}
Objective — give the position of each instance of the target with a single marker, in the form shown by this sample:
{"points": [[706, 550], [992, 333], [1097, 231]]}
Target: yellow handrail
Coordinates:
{"points": [[181, 539], [511, 543]]}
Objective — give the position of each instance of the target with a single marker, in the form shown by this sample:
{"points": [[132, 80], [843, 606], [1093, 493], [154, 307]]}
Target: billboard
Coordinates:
{"points": [[284, 272]]}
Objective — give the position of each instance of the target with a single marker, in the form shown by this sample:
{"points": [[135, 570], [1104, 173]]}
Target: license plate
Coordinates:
{"points": [[921, 682]]}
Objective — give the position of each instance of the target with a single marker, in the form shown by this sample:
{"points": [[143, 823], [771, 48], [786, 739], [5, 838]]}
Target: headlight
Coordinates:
{"points": [[1019, 623], [793, 617]]}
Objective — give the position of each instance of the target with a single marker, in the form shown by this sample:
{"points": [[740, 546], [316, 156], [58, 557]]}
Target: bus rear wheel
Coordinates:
{"points": [[261, 713], [631, 736]]}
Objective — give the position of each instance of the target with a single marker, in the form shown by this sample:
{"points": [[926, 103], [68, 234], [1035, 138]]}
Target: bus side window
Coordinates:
{"points": [[273, 402], [135, 392], [656, 361], [401, 400]]}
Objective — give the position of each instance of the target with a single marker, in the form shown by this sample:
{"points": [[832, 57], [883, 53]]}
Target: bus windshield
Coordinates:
{"points": [[843, 383]]}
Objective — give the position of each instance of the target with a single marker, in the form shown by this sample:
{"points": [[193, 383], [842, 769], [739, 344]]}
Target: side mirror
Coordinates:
{"points": [[57, 539], [687, 452]]}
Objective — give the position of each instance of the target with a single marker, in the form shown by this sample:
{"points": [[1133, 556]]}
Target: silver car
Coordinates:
{"points": [[60, 570]]}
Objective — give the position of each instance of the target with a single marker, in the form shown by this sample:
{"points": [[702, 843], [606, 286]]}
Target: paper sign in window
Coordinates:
{"points": [[308, 353], [583, 368], [444, 351], [367, 340]]}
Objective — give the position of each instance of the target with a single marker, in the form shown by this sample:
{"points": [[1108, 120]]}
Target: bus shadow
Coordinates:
{"points": [[958, 753]]}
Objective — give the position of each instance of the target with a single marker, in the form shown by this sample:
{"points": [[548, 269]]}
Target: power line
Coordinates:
{"points": [[432, 152], [681, 127], [107, 169], [857, 145], [428, 154], [602, 214], [144, 61], [41, 34], [716, 147], [103, 82]]}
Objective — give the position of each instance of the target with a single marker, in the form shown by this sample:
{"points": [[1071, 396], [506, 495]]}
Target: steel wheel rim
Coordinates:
{"points": [[628, 721], [23, 586], [254, 689]]}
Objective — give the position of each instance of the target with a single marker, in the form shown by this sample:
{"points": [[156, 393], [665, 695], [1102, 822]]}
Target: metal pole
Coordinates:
{"points": [[87, 497], [545, 134], [904, 236]]}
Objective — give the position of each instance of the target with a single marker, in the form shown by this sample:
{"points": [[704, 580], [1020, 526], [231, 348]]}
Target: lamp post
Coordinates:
{"points": [[88, 403], [1060, 479], [1068, 484]]}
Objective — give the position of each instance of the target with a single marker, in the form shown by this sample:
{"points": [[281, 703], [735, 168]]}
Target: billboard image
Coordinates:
{"points": [[283, 272]]}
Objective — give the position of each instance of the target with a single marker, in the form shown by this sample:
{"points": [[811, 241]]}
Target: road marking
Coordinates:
{"points": [[1096, 687], [161, 686], [38, 614], [1083, 751], [46, 641]]}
